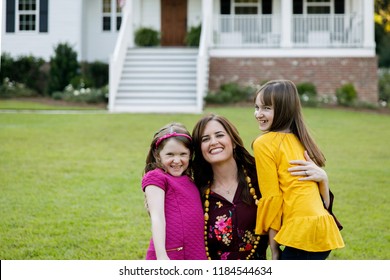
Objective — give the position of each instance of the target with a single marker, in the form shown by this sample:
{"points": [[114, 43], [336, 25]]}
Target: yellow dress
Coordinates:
{"points": [[291, 207]]}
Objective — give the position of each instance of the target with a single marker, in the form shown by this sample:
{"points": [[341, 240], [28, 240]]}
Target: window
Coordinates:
{"points": [[26, 16], [319, 6], [246, 7], [112, 15]]}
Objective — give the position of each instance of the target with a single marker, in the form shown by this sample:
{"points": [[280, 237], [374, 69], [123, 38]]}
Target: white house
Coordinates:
{"points": [[326, 42]]}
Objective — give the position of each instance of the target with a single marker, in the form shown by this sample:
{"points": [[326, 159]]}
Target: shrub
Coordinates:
{"points": [[192, 38], [82, 94], [7, 67], [230, 93], [63, 67], [384, 86], [95, 73], [10, 89], [346, 95], [31, 75], [308, 94], [383, 51], [26, 70], [146, 37]]}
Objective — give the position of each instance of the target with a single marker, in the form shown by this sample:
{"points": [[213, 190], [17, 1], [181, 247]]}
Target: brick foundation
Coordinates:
{"points": [[327, 74]]}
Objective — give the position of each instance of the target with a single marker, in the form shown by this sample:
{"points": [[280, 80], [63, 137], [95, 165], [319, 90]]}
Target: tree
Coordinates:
{"points": [[382, 13], [382, 32]]}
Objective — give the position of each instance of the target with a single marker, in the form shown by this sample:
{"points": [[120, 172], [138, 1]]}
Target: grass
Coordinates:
{"points": [[70, 183], [32, 104]]}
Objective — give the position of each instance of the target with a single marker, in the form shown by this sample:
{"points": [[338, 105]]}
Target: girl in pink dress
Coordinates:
{"points": [[173, 201]]}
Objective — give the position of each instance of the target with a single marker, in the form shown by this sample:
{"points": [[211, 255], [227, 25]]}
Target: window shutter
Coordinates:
{"points": [[10, 16], [43, 15]]}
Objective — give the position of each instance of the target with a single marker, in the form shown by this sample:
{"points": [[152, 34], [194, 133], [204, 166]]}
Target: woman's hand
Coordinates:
{"points": [[311, 172], [308, 169]]}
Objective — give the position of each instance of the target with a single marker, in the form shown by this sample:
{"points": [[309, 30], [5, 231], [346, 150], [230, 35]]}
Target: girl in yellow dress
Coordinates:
{"points": [[292, 210]]}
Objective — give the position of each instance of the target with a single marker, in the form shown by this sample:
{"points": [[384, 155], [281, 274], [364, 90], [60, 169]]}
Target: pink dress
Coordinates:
{"points": [[183, 216]]}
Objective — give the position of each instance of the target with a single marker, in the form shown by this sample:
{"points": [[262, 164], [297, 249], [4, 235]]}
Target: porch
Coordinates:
{"points": [[278, 34], [307, 31]]}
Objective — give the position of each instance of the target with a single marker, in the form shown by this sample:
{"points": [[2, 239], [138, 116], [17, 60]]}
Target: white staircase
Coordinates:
{"points": [[158, 80]]}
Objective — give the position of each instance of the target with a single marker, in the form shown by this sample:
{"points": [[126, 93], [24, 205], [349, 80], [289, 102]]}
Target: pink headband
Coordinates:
{"points": [[169, 135]]}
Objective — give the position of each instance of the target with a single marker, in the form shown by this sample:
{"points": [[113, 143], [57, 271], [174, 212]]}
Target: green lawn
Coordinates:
{"points": [[32, 104], [70, 183]]}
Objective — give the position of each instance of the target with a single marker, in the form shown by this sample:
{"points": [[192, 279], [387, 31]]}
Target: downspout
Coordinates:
{"points": [[202, 59], [124, 40]]}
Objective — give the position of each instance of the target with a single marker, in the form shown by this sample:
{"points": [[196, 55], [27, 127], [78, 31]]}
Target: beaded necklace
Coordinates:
{"points": [[252, 191]]}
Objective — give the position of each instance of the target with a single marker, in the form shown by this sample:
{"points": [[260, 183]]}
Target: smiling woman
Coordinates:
{"points": [[224, 171]]}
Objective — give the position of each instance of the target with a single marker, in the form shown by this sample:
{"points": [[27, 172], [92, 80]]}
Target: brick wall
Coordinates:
{"points": [[327, 74]]}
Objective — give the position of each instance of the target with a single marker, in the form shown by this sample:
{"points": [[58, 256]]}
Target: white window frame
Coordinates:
{"points": [[234, 5], [20, 13], [114, 13], [307, 4]]}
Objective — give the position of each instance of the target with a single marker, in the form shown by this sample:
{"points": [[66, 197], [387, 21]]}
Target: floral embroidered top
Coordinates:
{"points": [[230, 229]]}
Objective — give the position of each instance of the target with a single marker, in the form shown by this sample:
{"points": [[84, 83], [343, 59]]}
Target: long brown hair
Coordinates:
{"points": [[283, 96], [153, 158], [202, 170]]}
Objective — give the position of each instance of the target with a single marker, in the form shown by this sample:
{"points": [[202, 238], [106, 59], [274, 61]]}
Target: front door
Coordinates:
{"points": [[173, 22]]}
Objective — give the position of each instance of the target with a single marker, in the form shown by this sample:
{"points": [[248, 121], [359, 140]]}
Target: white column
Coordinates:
{"points": [[286, 18], [127, 11], [207, 22], [369, 26]]}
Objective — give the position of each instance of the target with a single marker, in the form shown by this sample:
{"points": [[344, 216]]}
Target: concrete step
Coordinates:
{"points": [[155, 95], [158, 79], [155, 87], [151, 75], [128, 108]]}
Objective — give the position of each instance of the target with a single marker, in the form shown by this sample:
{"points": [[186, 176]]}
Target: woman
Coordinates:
{"points": [[225, 173]]}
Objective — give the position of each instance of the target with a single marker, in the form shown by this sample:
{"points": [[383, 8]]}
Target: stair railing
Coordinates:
{"points": [[124, 40], [202, 59]]}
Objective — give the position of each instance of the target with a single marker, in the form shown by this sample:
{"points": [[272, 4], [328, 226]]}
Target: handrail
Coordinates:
{"points": [[124, 40], [202, 59]]}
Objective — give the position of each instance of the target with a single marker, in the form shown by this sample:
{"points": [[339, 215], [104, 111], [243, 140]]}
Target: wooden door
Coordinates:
{"points": [[173, 22]]}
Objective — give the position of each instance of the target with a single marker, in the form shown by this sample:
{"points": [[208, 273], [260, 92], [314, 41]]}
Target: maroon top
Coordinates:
{"points": [[231, 229]]}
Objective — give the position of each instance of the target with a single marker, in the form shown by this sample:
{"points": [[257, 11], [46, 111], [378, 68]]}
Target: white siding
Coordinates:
{"points": [[79, 23], [194, 12], [64, 26], [150, 14], [97, 44]]}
